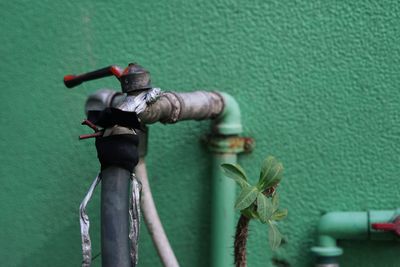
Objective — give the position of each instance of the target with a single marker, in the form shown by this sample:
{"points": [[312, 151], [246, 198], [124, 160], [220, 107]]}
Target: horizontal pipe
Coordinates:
{"points": [[172, 107], [344, 225], [349, 226]]}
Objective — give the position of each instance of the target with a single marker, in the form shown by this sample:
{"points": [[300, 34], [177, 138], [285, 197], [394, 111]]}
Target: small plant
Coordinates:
{"points": [[259, 202]]}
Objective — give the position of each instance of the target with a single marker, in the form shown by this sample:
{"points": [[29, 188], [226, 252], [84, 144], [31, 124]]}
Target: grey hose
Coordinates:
{"points": [[152, 219]]}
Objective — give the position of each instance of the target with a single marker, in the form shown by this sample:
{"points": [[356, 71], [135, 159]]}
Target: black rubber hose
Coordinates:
{"points": [[118, 156], [115, 217]]}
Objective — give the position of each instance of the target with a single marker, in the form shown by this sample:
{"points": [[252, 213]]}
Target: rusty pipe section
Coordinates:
{"points": [[170, 107]]}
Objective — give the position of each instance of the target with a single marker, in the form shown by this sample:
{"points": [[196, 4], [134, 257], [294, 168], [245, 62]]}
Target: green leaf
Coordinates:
{"points": [[264, 207], [275, 237], [275, 202], [271, 173], [279, 215], [246, 197], [249, 213], [235, 172]]}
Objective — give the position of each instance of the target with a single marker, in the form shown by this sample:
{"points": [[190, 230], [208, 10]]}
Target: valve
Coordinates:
{"points": [[388, 227], [132, 78], [117, 150]]}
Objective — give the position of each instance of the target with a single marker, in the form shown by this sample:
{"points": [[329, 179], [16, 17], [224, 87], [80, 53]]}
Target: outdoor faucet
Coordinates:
{"points": [[117, 150], [133, 78], [136, 106], [353, 225]]}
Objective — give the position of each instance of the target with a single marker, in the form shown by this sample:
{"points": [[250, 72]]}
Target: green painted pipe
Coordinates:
{"points": [[229, 121], [349, 226], [225, 127], [223, 213]]}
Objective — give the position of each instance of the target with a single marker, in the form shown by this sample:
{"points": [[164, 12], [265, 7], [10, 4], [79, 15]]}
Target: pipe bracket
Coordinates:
{"points": [[230, 144]]}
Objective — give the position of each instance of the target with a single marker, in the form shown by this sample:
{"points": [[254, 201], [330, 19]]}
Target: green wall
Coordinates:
{"points": [[317, 81]]}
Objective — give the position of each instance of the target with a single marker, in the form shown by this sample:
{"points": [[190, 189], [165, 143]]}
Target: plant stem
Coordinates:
{"points": [[242, 232]]}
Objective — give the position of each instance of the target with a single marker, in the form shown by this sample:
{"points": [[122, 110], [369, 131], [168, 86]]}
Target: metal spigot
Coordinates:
{"points": [[133, 78]]}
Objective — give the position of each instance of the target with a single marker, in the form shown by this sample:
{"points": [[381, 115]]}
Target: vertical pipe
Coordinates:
{"points": [[115, 217], [223, 214], [226, 125]]}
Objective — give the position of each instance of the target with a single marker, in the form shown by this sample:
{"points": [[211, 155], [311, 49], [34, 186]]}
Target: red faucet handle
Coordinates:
{"points": [[389, 227], [74, 80]]}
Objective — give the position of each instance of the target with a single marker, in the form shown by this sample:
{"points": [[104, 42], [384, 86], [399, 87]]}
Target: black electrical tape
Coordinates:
{"points": [[118, 150], [112, 116]]}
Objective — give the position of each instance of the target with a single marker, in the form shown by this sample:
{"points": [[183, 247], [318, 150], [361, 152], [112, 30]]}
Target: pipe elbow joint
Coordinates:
{"points": [[339, 225], [229, 121], [327, 235]]}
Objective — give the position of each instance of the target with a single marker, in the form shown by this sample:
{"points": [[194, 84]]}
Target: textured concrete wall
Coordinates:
{"points": [[317, 82]]}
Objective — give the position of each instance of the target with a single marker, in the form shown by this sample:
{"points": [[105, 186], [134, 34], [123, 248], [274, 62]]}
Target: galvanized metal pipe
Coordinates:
{"points": [[171, 107], [115, 217]]}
